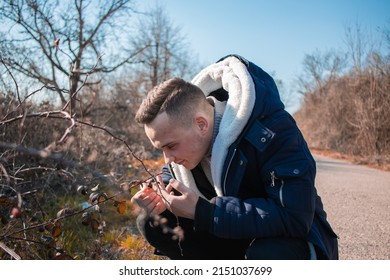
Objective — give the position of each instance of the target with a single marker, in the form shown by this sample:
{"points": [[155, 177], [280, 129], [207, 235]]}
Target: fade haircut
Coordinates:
{"points": [[178, 98]]}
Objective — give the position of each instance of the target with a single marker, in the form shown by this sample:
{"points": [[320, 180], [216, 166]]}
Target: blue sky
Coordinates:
{"points": [[273, 34]]}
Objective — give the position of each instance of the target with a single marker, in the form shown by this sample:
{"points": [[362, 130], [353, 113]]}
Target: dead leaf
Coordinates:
{"points": [[121, 208], [55, 231], [94, 224]]}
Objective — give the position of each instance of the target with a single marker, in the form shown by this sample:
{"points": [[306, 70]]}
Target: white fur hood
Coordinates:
{"points": [[231, 75]]}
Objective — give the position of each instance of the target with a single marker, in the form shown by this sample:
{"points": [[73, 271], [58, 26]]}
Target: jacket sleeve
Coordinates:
{"points": [[286, 173]]}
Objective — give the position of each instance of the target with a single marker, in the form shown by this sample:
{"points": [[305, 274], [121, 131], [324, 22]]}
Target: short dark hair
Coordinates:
{"points": [[176, 97]]}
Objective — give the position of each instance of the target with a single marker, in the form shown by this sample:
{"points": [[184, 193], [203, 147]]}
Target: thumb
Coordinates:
{"points": [[177, 185]]}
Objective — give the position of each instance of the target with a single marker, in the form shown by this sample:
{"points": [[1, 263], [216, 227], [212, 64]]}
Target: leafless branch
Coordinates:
{"points": [[13, 78], [60, 159]]}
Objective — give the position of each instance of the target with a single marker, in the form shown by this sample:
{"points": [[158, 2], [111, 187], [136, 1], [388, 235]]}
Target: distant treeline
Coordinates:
{"points": [[349, 113]]}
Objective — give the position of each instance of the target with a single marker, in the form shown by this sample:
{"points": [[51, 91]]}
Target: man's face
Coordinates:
{"points": [[182, 145]]}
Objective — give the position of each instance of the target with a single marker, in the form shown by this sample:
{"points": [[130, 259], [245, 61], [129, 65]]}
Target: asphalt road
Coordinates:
{"points": [[357, 201]]}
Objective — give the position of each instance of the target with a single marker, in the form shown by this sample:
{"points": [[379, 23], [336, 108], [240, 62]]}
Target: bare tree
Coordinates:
{"points": [[320, 69], [59, 43], [167, 52], [357, 42], [348, 111]]}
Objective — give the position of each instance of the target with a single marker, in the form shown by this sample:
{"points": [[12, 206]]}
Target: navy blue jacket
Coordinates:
{"points": [[268, 180]]}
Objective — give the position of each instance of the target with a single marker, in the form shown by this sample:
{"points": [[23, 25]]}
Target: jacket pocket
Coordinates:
{"points": [[259, 136], [286, 181]]}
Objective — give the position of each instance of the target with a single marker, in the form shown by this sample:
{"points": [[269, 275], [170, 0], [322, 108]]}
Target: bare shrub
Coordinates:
{"points": [[47, 157], [350, 116], [348, 111]]}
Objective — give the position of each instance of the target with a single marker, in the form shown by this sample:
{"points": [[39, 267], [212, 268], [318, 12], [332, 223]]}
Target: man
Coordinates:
{"points": [[242, 182]]}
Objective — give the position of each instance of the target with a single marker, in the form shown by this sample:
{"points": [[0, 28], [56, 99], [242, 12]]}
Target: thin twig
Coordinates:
{"points": [[52, 221], [9, 251], [13, 78], [58, 158], [25, 99], [121, 140], [93, 69]]}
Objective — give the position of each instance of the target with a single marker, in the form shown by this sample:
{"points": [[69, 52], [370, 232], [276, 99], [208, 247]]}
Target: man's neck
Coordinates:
{"points": [[218, 110]]}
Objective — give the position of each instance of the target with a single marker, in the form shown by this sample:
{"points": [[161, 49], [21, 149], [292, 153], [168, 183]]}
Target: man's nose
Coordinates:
{"points": [[168, 158]]}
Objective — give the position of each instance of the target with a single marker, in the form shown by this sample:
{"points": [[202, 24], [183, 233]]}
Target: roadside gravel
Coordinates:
{"points": [[357, 201]]}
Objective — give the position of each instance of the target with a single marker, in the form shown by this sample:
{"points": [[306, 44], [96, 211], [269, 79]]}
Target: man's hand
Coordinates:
{"points": [[183, 205], [148, 199]]}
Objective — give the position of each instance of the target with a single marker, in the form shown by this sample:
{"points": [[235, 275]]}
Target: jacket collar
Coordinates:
{"points": [[231, 75]]}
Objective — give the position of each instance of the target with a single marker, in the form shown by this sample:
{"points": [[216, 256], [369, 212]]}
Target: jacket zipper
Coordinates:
{"points": [[273, 177], [227, 170], [281, 193]]}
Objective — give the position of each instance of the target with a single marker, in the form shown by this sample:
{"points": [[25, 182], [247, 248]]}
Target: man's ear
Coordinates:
{"points": [[202, 124]]}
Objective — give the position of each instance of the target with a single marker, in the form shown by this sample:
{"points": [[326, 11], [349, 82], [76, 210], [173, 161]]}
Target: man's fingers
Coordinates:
{"points": [[142, 195], [175, 184], [169, 188], [157, 209], [160, 181]]}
